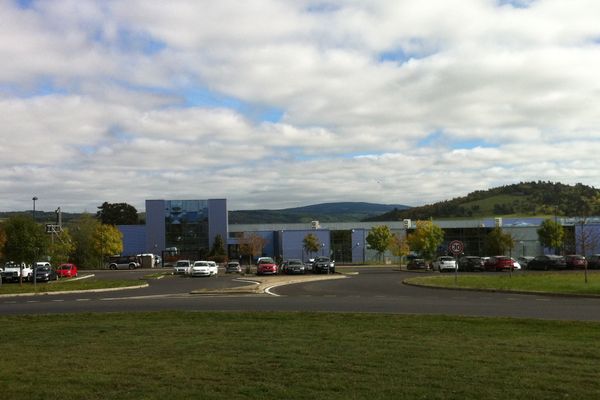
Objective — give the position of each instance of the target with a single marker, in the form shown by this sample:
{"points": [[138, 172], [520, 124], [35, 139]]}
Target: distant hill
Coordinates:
{"points": [[521, 199], [325, 212]]}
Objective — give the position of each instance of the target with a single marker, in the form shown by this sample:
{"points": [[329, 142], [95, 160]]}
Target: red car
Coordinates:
{"points": [[499, 263], [575, 261], [266, 265], [67, 270]]}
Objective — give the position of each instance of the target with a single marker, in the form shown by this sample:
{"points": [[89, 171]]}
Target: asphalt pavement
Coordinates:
{"points": [[372, 290]]}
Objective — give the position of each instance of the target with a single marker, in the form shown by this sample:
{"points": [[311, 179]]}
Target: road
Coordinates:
{"points": [[373, 290]]}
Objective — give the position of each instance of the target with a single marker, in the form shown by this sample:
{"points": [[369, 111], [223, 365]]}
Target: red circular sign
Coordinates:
{"points": [[456, 247]]}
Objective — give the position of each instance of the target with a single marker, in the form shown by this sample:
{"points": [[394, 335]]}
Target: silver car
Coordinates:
{"points": [[182, 267]]}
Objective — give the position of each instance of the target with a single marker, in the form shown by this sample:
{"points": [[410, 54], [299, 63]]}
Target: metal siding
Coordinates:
{"points": [[217, 220], [155, 226], [134, 239]]}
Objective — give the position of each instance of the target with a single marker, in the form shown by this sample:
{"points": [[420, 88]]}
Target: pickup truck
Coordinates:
{"points": [[12, 271]]}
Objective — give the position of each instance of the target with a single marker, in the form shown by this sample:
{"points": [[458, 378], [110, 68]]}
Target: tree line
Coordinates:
{"points": [[85, 241]]}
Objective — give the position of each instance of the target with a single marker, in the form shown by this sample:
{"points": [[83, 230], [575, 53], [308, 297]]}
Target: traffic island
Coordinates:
{"points": [[261, 284]]}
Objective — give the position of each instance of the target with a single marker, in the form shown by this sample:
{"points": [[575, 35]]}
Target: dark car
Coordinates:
{"points": [[417, 263], [233, 267], [470, 263], [45, 274], [499, 263], [547, 262], [594, 261], [323, 265], [574, 261], [292, 267]]}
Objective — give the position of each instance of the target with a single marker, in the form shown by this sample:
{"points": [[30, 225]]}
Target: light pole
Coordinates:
{"points": [[34, 199]]}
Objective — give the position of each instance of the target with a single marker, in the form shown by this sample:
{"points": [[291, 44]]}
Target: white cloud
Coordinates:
{"points": [[384, 101]]}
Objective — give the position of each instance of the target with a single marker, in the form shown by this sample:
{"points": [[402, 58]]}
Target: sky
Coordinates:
{"points": [[277, 104]]}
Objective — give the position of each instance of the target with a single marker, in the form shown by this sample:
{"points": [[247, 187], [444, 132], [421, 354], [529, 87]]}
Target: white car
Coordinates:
{"points": [[444, 263], [203, 268], [182, 267], [516, 265]]}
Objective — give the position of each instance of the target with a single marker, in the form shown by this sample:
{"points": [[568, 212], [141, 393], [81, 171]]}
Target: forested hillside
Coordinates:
{"points": [[521, 199]]}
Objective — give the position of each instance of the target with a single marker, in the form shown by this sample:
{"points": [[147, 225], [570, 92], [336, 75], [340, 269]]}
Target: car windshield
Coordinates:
{"points": [[321, 259], [295, 262], [43, 269], [182, 263], [266, 261], [64, 267], [446, 259]]}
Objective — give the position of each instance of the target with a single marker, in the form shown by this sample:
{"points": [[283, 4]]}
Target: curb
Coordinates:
{"points": [[484, 290], [74, 291]]}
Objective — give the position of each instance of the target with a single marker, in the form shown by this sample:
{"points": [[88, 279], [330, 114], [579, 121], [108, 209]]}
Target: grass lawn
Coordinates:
{"points": [[65, 285], [562, 282], [190, 355]]}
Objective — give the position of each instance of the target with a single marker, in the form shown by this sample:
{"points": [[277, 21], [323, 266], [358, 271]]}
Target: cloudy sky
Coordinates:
{"points": [[276, 104]]}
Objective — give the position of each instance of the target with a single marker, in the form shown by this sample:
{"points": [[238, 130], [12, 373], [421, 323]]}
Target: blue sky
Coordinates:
{"points": [[275, 104]]}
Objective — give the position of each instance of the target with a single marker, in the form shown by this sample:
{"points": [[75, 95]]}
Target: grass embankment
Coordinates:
{"points": [[562, 283], [65, 285], [184, 355]]}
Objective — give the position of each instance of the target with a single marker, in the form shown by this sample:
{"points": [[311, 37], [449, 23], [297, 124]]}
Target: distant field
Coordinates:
{"points": [[187, 355]]}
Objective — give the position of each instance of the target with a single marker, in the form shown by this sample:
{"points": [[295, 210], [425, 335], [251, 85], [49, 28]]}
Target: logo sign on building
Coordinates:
{"points": [[456, 247]]}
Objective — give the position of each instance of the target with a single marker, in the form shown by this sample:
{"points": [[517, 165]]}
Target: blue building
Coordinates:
{"points": [[177, 226]]}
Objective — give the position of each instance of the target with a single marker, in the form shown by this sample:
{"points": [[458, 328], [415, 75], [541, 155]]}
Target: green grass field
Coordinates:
{"points": [[188, 355], [565, 283]]}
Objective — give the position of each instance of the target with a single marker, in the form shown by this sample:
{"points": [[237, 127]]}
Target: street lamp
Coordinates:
{"points": [[34, 199]]}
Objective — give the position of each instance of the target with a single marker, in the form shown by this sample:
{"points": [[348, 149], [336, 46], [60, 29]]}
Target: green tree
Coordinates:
{"points": [[311, 243], [117, 214], [551, 234], [379, 238], [106, 240], [2, 241], [426, 239], [217, 252], [497, 242], [26, 241], [82, 232], [61, 247]]}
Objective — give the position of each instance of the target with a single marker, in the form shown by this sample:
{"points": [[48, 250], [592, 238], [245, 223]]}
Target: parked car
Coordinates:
{"points": [[292, 266], [417, 263], [547, 262], [12, 271], [308, 265], [323, 265], [574, 261], [499, 263], [470, 263], [594, 261], [444, 263], [124, 262], [516, 265], [67, 270], [233, 267], [524, 260], [266, 265], [45, 273], [203, 268], [181, 267]]}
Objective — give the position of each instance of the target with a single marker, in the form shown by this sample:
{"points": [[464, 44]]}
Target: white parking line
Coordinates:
{"points": [[82, 299]]}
